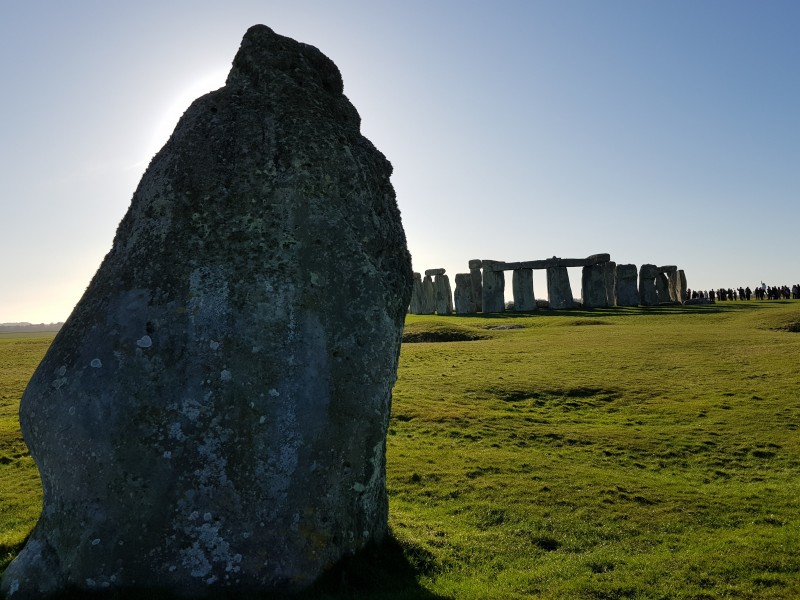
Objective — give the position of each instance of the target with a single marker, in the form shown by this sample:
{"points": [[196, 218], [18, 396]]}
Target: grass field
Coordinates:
{"points": [[613, 453]]}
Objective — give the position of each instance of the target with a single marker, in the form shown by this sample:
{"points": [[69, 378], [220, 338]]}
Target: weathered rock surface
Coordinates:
{"points": [[522, 286], [663, 288], [415, 307], [434, 272], [627, 289], [682, 286], [593, 286], [213, 413], [611, 282], [428, 298], [465, 302], [559, 290], [648, 296], [493, 290], [444, 295], [477, 282]]}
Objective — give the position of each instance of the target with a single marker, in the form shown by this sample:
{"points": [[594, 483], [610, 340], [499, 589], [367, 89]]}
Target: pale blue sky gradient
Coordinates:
{"points": [[660, 132]]}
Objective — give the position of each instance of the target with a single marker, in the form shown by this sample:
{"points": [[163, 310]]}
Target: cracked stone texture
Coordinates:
{"points": [[214, 412]]}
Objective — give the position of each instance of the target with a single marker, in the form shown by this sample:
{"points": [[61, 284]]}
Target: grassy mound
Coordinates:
{"points": [[445, 331]]}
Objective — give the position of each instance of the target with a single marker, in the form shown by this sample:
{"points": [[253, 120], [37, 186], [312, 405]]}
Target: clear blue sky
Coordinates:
{"points": [[661, 132]]}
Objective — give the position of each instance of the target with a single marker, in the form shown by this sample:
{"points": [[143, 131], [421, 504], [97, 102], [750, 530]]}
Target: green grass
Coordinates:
{"points": [[20, 488], [613, 453]]}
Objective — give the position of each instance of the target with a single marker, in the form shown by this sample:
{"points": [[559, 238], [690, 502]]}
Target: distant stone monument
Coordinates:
{"points": [[682, 287], [593, 286], [493, 291], [648, 295], [610, 272], [477, 282], [627, 289], [465, 301], [444, 294], [559, 290], [428, 299], [415, 308], [522, 286], [213, 415]]}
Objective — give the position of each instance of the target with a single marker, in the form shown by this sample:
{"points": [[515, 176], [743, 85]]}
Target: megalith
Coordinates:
{"points": [[212, 417], [648, 296], [610, 272], [626, 285], [493, 289], [663, 288], [559, 291], [475, 266], [682, 287], [464, 295], [415, 308], [522, 287], [428, 298], [593, 286], [444, 294]]}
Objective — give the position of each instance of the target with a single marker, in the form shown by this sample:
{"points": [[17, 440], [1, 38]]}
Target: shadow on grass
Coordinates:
{"points": [[386, 571]]}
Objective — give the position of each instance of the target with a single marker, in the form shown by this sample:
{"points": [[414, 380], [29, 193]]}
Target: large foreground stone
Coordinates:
{"points": [[213, 413]]}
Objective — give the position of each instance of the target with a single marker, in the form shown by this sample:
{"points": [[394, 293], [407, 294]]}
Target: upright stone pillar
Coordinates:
{"points": [[477, 282], [494, 283], [674, 286], [559, 291], [444, 297], [415, 308], [626, 286], [611, 282], [662, 288], [428, 299], [648, 296], [211, 420], [464, 295], [522, 285], [593, 286], [682, 287]]}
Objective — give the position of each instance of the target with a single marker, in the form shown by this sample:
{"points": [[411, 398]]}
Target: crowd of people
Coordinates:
{"points": [[762, 292]]}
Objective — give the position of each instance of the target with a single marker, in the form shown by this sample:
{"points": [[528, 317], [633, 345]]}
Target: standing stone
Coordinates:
{"points": [[522, 286], [428, 303], [662, 288], [493, 292], [444, 295], [212, 417], [593, 286], [416, 296], [626, 287], [648, 296], [682, 287], [559, 291], [674, 286], [611, 282], [464, 295], [477, 282], [428, 298]]}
